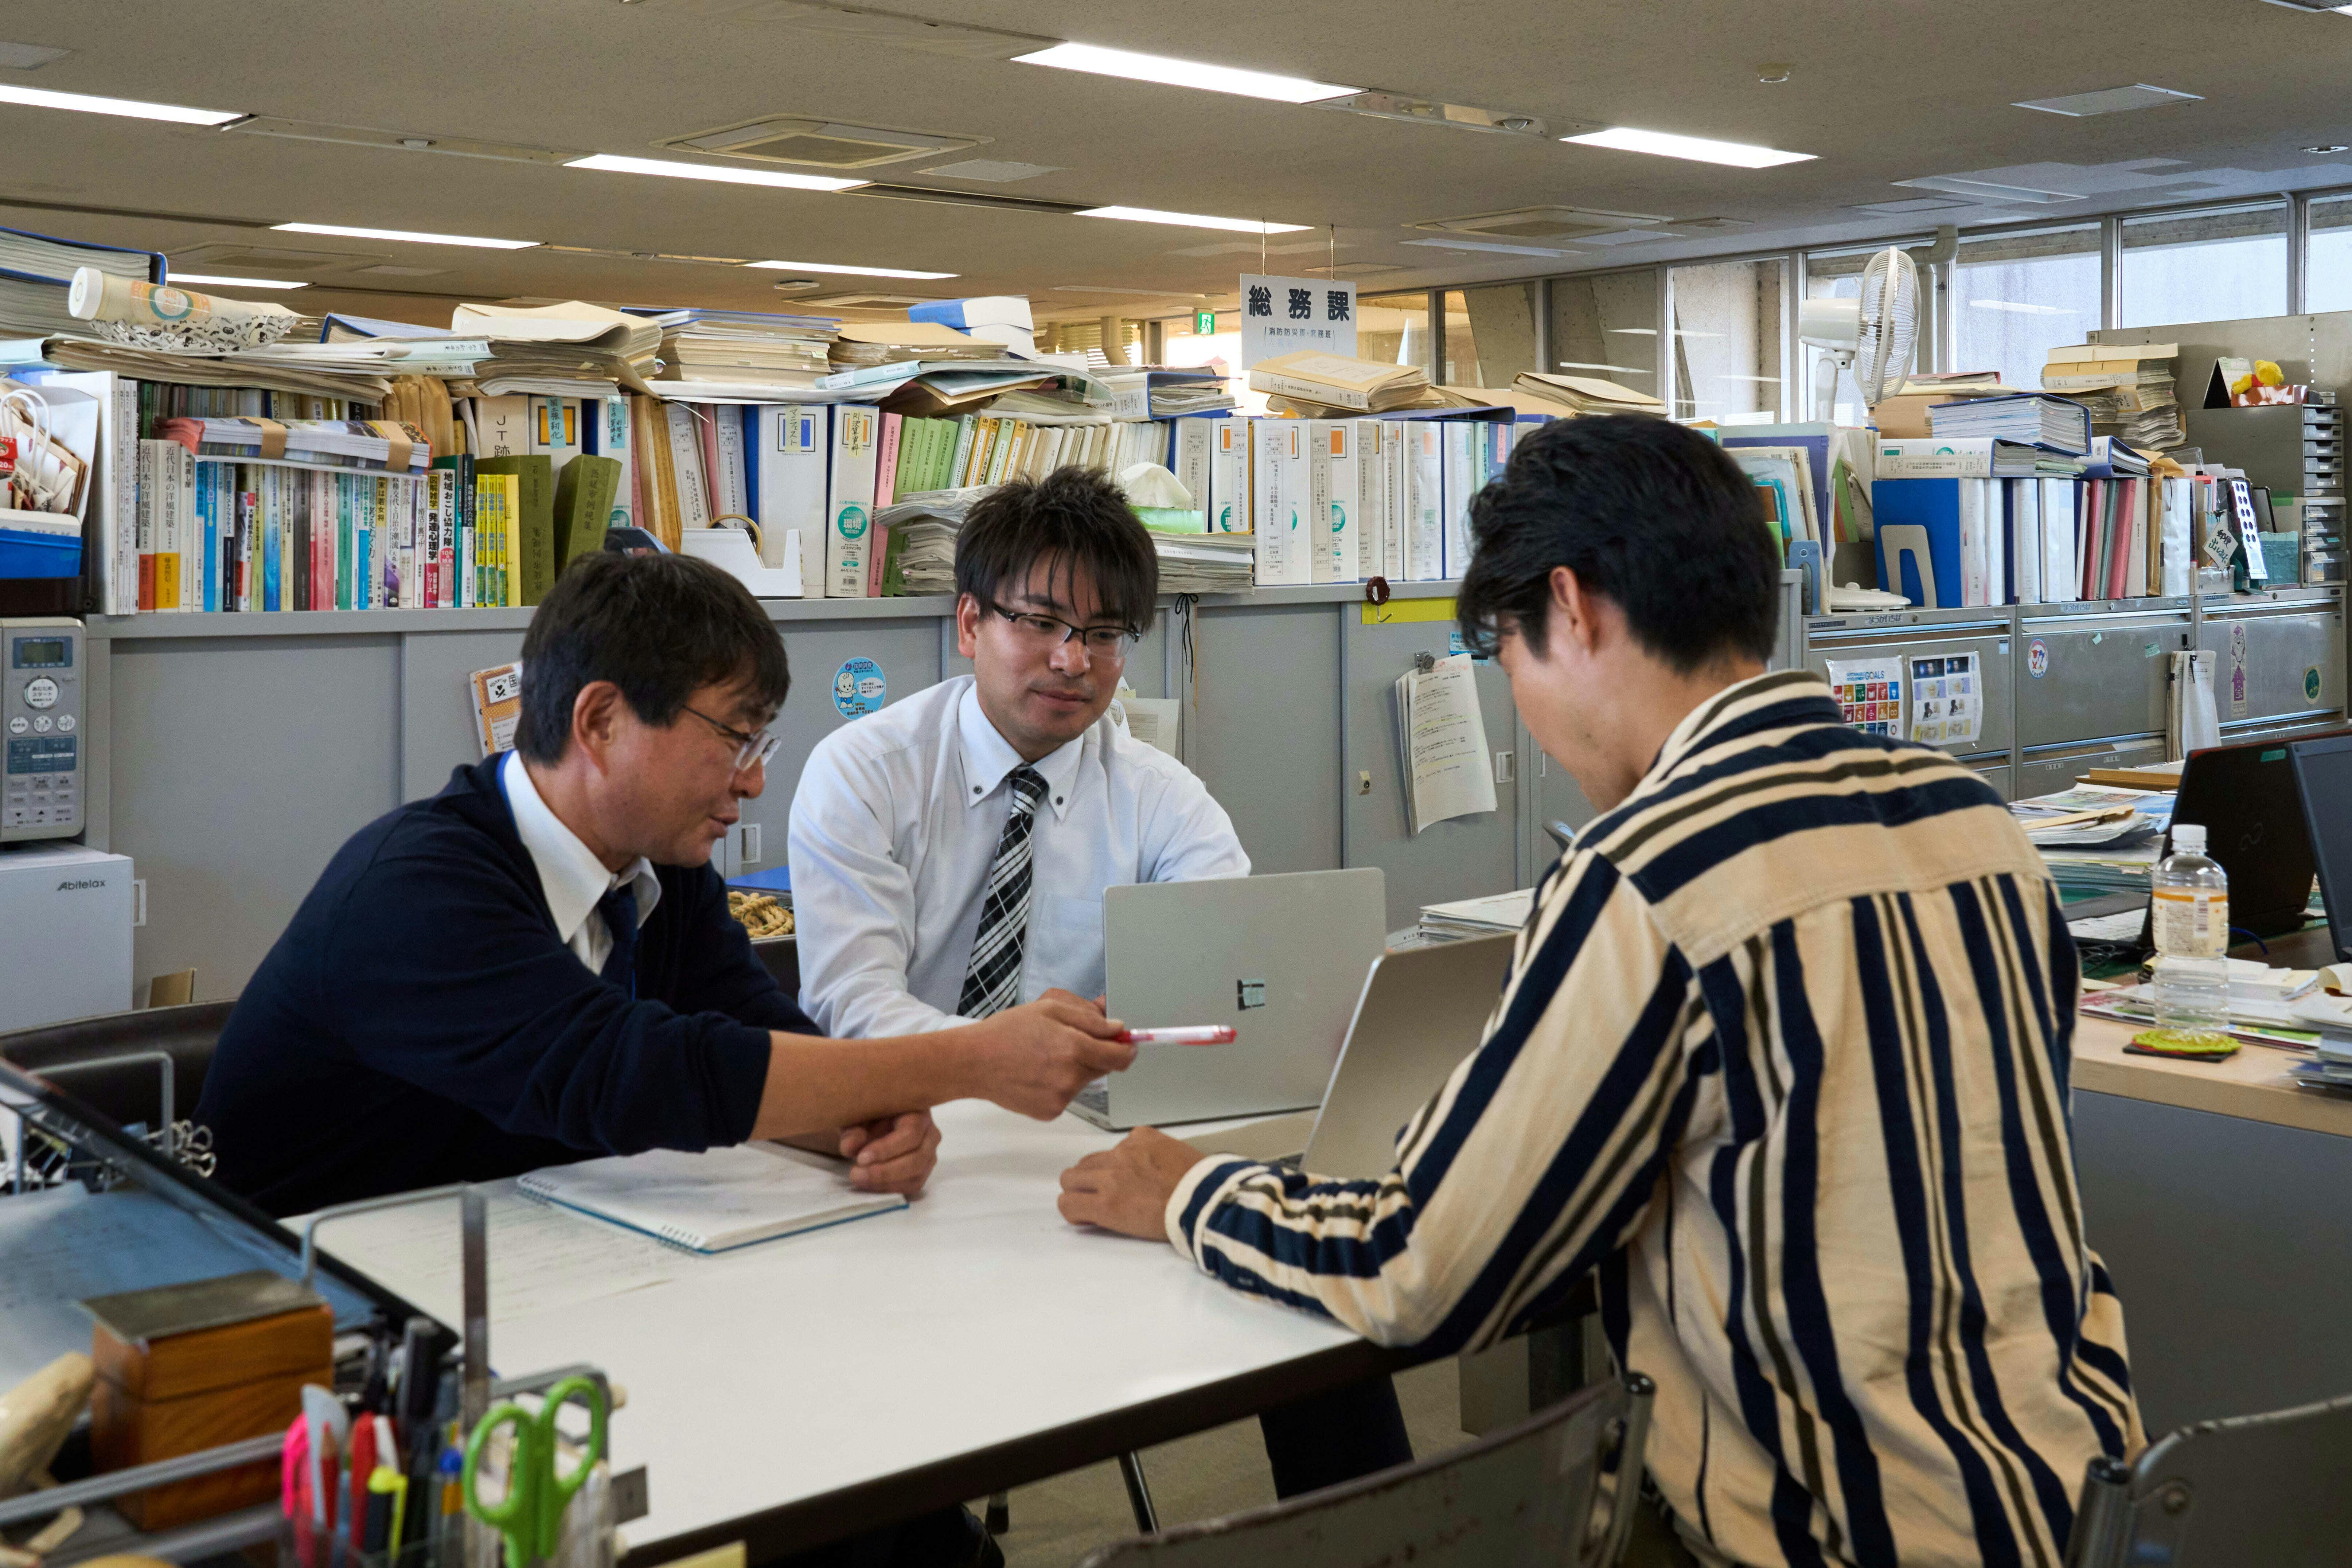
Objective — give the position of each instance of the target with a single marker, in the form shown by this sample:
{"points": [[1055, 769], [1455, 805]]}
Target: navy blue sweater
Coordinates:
{"points": [[420, 1022]]}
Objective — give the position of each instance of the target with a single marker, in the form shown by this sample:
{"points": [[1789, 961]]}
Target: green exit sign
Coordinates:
{"points": [[1204, 323]]}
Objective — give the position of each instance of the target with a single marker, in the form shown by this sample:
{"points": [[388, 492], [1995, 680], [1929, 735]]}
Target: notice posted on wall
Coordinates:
{"points": [[1946, 700], [1869, 693]]}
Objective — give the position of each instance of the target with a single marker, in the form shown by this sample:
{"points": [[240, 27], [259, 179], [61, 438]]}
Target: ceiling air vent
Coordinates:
{"points": [[819, 143], [1553, 225]]}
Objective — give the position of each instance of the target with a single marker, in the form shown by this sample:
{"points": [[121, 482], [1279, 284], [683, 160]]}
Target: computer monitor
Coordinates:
{"points": [[2245, 795], [2323, 779]]}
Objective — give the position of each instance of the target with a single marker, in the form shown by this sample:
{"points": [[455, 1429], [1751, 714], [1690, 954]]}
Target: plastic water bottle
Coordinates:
{"points": [[2190, 913]]}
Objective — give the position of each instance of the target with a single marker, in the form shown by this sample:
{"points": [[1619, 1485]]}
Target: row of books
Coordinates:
{"points": [[215, 534], [254, 537], [1960, 542]]}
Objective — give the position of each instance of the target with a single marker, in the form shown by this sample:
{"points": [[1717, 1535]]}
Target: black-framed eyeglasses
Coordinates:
{"points": [[1049, 631], [753, 749]]}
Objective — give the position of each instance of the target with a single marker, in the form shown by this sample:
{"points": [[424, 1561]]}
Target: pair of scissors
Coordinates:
{"points": [[531, 1515]]}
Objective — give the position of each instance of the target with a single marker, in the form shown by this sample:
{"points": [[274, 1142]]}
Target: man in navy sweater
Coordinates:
{"points": [[537, 965]]}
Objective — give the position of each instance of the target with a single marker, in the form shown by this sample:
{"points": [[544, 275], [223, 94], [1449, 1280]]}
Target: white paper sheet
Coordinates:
{"points": [[1443, 734], [1946, 702]]}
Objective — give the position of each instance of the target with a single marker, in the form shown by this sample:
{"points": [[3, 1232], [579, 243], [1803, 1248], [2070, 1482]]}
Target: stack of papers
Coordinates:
{"points": [[1585, 394], [1493, 915], [928, 523], [1442, 732], [2115, 853], [2129, 388], [269, 369], [861, 343], [2263, 1022], [1335, 381], [743, 346], [2030, 417], [1205, 563]]}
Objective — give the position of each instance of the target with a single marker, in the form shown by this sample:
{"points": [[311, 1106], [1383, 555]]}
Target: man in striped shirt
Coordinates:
{"points": [[1782, 1058]]}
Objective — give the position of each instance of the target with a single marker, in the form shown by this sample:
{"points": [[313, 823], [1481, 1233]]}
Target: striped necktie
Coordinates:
{"points": [[993, 981]]}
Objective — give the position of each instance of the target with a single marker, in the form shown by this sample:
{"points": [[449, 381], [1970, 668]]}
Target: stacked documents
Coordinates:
{"points": [[1493, 915], [743, 346], [2097, 840], [2053, 422], [861, 343], [1205, 563], [2127, 388]]}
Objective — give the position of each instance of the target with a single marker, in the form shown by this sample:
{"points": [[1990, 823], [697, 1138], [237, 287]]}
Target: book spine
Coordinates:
{"points": [[149, 504], [885, 480]]}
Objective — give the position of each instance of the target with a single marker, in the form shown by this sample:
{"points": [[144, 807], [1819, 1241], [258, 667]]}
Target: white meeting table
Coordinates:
{"points": [[799, 1391]]}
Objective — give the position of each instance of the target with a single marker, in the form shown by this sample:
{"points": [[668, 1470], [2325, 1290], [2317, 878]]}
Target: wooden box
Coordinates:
{"points": [[175, 1379]]}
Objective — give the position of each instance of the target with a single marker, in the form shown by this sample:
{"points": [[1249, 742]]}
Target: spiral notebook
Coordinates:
{"points": [[715, 1201]]}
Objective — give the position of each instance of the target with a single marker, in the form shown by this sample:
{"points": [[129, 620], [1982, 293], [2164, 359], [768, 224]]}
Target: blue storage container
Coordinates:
{"points": [[24, 553]]}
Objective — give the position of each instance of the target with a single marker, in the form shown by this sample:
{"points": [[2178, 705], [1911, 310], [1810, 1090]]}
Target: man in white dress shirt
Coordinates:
{"points": [[949, 853]]}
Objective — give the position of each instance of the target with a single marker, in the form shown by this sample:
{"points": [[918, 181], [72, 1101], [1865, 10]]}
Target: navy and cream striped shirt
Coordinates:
{"points": [[1783, 1056]]}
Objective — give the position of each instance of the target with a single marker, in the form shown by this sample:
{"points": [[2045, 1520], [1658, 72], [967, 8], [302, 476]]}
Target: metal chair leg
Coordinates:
{"points": [[999, 1517], [1139, 1495]]}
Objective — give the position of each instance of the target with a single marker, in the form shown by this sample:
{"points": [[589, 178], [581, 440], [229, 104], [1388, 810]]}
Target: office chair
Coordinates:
{"points": [[2221, 1494], [1519, 1498]]}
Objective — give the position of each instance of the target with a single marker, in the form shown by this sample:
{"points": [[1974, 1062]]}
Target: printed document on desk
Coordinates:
{"points": [[1443, 737]]}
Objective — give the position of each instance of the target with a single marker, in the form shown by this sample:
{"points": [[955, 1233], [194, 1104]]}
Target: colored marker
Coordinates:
{"points": [[1193, 1034]]}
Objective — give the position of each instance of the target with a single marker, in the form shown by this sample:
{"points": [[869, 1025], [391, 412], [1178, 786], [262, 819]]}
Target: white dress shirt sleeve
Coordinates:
{"points": [[1189, 838], [854, 903]]}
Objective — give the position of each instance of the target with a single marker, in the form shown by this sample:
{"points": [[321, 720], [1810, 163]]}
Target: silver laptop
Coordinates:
{"points": [[1282, 959], [1422, 1011]]}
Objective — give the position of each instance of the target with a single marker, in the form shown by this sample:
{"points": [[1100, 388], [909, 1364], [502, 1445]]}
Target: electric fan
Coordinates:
{"points": [[1874, 336]]}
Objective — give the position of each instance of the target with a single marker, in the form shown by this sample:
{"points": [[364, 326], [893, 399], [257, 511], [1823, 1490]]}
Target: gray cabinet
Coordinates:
{"points": [[2097, 677], [2277, 662], [1928, 634]]}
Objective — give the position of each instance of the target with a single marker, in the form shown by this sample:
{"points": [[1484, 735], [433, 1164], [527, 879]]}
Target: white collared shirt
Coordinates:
{"points": [[570, 876], [894, 826]]}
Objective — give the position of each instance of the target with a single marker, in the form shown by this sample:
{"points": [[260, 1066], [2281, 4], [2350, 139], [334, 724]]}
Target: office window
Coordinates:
{"points": [[1604, 325], [1490, 334], [1837, 274], [2215, 266], [1393, 329], [2327, 280], [1728, 334], [2019, 295]]}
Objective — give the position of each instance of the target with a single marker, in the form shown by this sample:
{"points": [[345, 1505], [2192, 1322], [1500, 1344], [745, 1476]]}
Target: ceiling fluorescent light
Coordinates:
{"points": [[857, 271], [1989, 191], [1594, 364], [1184, 73], [34, 98], [612, 164], [2109, 100], [350, 232], [207, 277], [1195, 220], [1738, 155]]}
